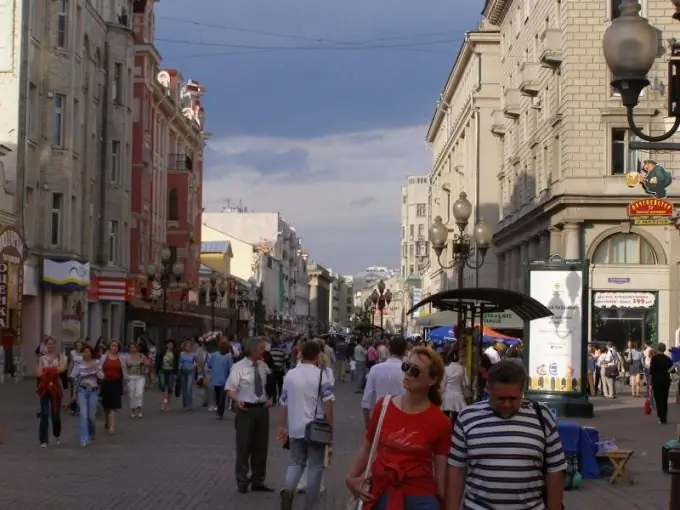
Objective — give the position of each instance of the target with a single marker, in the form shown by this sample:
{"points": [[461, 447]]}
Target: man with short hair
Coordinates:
{"points": [[504, 455], [307, 396], [246, 388], [385, 378]]}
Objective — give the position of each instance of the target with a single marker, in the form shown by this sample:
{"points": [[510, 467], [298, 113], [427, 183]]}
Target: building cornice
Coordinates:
{"points": [[465, 53], [495, 10]]}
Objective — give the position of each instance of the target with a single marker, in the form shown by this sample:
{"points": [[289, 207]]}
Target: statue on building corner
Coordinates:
{"points": [[653, 178]]}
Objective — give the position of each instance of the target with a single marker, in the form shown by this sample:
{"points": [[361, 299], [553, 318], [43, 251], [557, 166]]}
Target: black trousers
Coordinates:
{"points": [[661, 390], [49, 409], [278, 379], [9, 368], [598, 381], [220, 399], [252, 445]]}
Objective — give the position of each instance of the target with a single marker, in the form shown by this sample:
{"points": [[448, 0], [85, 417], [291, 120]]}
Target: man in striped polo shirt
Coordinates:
{"points": [[501, 458]]}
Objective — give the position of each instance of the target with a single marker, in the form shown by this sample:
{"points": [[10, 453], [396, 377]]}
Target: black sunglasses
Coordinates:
{"points": [[410, 369]]}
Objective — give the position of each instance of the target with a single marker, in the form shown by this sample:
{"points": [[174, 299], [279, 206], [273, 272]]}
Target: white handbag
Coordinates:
{"points": [[354, 503]]}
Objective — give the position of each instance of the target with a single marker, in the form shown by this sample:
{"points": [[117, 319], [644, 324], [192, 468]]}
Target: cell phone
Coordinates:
{"points": [[286, 445]]}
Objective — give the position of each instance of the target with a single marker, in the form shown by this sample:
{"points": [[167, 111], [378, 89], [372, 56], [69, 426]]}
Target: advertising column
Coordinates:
{"points": [[555, 352]]}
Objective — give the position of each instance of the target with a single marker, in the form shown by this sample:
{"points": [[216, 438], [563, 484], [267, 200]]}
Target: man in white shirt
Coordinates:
{"points": [[307, 396], [246, 388], [385, 378], [492, 354]]}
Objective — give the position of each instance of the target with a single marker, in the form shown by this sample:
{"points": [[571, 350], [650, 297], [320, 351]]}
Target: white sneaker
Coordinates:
{"points": [[43, 445]]}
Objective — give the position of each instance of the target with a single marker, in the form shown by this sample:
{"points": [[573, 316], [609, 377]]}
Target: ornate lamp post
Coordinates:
{"points": [[630, 45], [168, 276], [380, 299], [216, 291], [463, 253]]}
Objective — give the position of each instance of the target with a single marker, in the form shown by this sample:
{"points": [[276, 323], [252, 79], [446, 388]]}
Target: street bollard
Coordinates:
{"points": [[674, 470]]}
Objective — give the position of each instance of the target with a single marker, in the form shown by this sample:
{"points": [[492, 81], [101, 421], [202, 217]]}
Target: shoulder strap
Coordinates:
{"points": [[541, 422], [318, 393], [376, 436]]}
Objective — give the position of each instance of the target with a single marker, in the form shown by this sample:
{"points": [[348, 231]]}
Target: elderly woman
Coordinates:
{"points": [[327, 367]]}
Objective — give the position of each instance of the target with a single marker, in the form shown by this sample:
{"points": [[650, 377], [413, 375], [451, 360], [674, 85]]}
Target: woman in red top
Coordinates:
{"points": [[415, 436]]}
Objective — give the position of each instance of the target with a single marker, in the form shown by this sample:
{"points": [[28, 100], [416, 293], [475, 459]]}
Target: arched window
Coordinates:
{"points": [[624, 249], [173, 205]]}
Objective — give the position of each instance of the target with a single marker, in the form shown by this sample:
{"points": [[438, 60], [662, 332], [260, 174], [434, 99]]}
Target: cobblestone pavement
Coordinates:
{"points": [[185, 460]]}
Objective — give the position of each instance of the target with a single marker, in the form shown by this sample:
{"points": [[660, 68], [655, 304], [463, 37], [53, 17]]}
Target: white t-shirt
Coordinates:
{"points": [[493, 355], [300, 395]]}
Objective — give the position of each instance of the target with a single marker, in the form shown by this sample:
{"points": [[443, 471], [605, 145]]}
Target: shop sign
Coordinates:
{"points": [[503, 320], [4, 296], [66, 275], [624, 300], [650, 211], [619, 280], [556, 342]]}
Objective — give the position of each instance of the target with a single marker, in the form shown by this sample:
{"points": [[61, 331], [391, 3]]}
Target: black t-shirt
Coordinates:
{"points": [[659, 367]]}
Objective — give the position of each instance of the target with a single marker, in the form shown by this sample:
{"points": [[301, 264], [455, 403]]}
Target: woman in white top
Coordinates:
{"points": [[453, 384]]}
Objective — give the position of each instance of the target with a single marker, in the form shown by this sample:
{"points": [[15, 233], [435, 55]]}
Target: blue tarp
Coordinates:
{"points": [[444, 334]]}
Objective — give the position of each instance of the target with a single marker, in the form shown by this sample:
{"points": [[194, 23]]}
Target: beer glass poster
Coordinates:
{"points": [[555, 342]]}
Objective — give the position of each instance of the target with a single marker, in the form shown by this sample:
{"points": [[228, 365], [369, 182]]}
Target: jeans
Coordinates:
{"points": [[310, 455], [361, 373], [187, 382], [87, 402], [168, 383], [413, 503], [49, 409], [136, 385]]}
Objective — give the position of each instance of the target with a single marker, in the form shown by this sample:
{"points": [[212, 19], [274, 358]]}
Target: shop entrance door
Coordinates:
{"points": [[621, 329]]}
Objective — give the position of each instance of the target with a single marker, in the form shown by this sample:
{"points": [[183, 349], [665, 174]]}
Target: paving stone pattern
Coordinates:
{"points": [[180, 460]]}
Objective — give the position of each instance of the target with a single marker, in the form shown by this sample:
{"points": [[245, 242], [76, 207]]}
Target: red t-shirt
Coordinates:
{"points": [[406, 448]]}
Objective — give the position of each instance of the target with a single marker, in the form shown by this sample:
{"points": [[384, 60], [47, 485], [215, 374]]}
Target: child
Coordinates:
{"points": [[352, 370]]}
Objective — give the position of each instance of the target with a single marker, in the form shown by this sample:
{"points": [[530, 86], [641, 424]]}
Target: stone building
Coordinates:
{"points": [[564, 161], [76, 174]]}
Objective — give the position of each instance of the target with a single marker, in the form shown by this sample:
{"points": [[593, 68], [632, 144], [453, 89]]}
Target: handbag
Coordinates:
{"points": [[319, 431], [611, 371], [541, 422], [354, 503]]}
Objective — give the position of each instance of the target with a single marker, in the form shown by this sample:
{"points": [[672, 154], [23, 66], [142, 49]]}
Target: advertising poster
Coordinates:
{"points": [[555, 354]]}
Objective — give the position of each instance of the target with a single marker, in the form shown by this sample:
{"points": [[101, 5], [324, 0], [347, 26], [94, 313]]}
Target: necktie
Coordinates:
{"points": [[259, 390]]}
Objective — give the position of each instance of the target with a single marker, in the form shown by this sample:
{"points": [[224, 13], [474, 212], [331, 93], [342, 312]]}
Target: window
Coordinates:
{"points": [[421, 210], [410, 269], [411, 251], [62, 23], [115, 160], [113, 242], [59, 119], [615, 6], [411, 231], [422, 249], [421, 232], [33, 113], [403, 232], [625, 249], [619, 157], [173, 205], [76, 126], [35, 12], [55, 219], [117, 92]]}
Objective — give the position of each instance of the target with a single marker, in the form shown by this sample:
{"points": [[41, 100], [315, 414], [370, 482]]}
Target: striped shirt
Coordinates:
{"points": [[279, 357], [504, 458]]}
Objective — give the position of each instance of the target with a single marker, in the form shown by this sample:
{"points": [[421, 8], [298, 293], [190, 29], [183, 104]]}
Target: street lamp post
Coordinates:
{"points": [[168, 275], [630, 46], [463, 252], [380, 299], [217, 291]]}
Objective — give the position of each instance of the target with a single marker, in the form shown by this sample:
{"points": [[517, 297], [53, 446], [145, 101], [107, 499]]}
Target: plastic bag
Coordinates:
{"points": [[648, 406]]}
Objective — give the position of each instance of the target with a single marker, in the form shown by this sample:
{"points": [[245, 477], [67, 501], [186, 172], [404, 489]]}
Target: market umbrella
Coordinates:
{"points": [[441, 334]]}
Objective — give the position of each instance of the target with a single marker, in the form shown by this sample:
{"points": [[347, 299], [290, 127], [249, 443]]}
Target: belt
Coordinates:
{"points": [[89, 388], [248, 405]]}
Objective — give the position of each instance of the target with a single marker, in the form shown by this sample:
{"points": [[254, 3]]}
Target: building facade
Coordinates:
{"points": [[277, 242], [167, 164], [466, 153], [320, 304], [566, 159], [414, 225], [75, 176], [341, 294]]}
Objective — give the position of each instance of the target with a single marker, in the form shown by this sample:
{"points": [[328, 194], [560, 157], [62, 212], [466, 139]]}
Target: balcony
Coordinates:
{"points": [[498, 125], [180, 163], [512, 103], [551, 56], [529, 75]]}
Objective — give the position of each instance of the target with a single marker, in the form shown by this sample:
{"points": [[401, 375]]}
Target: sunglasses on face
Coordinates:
{"points": [[410, 369]]}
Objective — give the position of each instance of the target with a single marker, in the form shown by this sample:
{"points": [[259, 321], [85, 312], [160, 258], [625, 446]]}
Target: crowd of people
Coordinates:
{"points": [[427, 446]]}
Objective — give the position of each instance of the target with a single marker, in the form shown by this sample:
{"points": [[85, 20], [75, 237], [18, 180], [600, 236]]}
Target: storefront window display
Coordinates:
{"points": [[622, 316]]}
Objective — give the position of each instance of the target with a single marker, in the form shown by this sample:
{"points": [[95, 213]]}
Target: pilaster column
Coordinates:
{"points": [[571, 234], [555, 241], [500, 260], [522, 265], [533, 249], [543, 245]]}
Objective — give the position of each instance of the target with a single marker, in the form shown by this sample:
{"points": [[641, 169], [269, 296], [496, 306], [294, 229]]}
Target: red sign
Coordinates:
{"points": [[111, 289], [650, 207]]}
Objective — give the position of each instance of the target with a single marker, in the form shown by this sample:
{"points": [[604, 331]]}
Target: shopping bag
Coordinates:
{"points": [[648, 406]]}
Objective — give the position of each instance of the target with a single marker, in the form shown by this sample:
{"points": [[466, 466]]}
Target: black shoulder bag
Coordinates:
{"points": [[318, 431], [541, 422]]}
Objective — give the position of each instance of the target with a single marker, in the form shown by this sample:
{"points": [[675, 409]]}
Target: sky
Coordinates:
{"points": [[317, 110]]}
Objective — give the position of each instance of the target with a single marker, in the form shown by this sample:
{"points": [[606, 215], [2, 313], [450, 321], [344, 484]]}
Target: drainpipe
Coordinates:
{"points": [[22, 146], [103, 150]]}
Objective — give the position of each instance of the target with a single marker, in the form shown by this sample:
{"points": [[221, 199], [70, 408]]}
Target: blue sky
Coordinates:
{"points": [[317, 110]]}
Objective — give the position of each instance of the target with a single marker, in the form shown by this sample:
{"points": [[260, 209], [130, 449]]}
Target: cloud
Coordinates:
{"points": [[341, 226], [361, 202]]}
